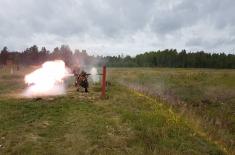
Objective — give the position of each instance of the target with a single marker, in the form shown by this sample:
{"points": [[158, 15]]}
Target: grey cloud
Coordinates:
{"points": [[115, 24], [217, 43]]}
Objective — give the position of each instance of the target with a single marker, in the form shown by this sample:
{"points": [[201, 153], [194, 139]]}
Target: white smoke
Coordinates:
{"points": [[94, 75], [47, 80]]}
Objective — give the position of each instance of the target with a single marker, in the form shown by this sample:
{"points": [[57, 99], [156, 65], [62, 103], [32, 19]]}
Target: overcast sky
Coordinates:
{"points": [[111, 27]]}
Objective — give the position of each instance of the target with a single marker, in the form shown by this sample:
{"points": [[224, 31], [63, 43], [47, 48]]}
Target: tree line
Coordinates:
{"points": [[164, 58], [35, 56], [172, 58]]}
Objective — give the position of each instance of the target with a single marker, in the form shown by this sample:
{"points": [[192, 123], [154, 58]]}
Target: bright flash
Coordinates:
{"points": [[47, 80]]}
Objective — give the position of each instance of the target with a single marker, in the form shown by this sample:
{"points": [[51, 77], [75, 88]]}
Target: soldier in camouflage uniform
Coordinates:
{"points": [[82, 80]]}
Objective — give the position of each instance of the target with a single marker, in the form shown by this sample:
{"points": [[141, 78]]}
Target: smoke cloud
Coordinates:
{"points": [[94, 75], [47, 80]]}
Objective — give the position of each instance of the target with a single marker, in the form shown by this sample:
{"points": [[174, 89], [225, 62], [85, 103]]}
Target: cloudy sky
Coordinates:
{"points": [[111, 27]]}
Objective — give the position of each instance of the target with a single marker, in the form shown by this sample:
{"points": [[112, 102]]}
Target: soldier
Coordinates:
{"points": [[82, 80]]}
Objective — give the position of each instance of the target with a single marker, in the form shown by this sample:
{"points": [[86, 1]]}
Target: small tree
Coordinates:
{"points": [[4, 56]]}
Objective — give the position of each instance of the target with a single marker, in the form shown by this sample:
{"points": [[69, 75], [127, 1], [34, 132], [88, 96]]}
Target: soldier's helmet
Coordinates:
{"points": [[83, 73]]}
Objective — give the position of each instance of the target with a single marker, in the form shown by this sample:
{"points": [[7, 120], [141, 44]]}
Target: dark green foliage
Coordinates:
{"points": [[171, 58], [165, 58]]}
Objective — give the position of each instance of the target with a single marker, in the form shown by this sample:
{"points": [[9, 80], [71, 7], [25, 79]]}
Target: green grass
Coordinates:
{"points": [[127, 122], [206, 97]]}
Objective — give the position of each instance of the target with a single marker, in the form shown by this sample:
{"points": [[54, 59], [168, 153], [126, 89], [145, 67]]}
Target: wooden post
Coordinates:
{"points": [[103, 82]]}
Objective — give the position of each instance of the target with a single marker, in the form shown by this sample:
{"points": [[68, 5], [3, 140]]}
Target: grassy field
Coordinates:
{"points": [[134, 119], [205, 97]]}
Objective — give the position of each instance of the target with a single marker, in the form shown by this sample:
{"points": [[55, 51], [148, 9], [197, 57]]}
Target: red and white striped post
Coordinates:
{"points": [[103, 86]]}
